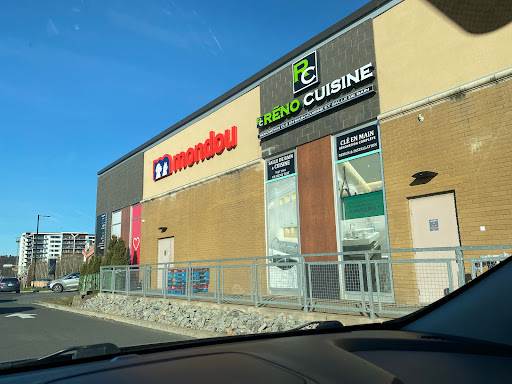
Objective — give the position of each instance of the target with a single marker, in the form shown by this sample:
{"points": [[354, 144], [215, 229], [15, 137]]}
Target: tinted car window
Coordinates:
{"points": [[10, 280]]}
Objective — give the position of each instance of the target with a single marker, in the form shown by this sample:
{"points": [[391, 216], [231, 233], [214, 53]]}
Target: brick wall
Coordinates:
{"points": [[221, 218], [342, 55], [467, 140]]}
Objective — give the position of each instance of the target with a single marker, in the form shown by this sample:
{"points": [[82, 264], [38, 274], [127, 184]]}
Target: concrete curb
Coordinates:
{"points": [[193, 333]]}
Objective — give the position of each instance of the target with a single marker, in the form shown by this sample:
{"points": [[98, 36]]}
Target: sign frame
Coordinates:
{"points": [[317, 77]]}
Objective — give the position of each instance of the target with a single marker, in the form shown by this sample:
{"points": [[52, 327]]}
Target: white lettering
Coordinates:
{"points": [[365, 71], [352, 78], [320, 97], [308, 102], [304, 81], [335, 86]]}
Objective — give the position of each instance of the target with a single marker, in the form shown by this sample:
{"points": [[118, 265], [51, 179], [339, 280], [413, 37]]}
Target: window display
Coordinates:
{"points": [[361, 208], [282, 217], [282, 221], [116, 224]]}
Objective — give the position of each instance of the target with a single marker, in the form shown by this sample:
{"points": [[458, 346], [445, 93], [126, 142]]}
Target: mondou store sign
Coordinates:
{"points": [[305, 75], [215, 144]]}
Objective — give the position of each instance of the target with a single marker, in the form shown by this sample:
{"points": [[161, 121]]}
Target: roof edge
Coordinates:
{"points": [[340, 25]]}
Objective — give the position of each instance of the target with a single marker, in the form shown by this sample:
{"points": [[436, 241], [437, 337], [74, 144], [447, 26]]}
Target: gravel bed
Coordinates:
{"points": [[222, 320]]}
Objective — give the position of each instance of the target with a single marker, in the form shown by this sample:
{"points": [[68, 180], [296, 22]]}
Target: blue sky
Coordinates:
{"points": [[84, 82]]}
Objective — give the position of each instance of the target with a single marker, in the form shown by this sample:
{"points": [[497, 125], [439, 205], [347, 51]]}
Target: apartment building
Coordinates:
{"points": [[49, 245]]}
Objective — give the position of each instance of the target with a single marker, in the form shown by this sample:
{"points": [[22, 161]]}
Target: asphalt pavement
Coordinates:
{"points": [[28, 330]]}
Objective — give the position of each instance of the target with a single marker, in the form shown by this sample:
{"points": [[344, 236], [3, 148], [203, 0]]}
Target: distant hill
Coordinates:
{"points": [[7, 260]]}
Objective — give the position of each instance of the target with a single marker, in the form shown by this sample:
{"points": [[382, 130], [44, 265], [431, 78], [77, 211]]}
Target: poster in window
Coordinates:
{"points": [[357, 143]]}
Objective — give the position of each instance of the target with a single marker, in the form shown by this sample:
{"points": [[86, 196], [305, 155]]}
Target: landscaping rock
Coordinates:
{"points": [[221, 320]]}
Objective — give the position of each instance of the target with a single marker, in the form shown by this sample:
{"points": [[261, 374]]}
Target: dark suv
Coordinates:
{"points": [[9, 284]]}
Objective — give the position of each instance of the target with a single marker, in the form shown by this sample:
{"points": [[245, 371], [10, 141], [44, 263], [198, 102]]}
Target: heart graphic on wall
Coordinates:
{"points": [[136, 243]]}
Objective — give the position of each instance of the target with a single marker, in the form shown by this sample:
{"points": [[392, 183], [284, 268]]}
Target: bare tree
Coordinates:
{"points": [[41, 271], [68, 264]]}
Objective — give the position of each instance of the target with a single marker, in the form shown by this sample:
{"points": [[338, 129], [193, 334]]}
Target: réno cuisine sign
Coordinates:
{"points": [[304, 75], [214, 145], [317, 111]]}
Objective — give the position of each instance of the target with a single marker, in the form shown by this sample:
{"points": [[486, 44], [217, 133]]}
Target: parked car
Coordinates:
{"points": [[9, 284], [65, 283]]}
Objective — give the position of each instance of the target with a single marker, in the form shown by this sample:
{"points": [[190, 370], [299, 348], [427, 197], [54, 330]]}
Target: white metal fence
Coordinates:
{"points": [[377, 283]]}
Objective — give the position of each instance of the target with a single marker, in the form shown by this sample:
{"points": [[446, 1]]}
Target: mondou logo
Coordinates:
{"points": [[214, 145], [305, 72]]}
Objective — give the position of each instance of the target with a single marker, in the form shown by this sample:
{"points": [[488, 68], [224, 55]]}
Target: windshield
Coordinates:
{"points": [[241, 170]]}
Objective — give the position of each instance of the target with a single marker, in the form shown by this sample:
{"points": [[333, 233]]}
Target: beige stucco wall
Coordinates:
{"points": [[241, 112], [420, 52]]}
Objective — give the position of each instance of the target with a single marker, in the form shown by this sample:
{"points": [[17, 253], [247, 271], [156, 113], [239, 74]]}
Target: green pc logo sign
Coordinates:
{"points": [[305, 72]]}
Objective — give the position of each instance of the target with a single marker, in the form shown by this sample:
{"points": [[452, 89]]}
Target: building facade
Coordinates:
{"points": [[445, 133], [364, 138], [49, 245]]}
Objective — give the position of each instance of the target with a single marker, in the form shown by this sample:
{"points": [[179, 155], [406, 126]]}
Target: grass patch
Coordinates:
{"points": [[66, 301], [30, 289]]}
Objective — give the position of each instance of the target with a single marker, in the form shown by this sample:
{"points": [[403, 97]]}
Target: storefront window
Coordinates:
{"points": [[116, 224], [282, 222], [282, 217], [361, 207]]}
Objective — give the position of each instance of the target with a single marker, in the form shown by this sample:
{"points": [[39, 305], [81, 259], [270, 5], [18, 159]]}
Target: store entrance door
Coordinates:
{"points": [[434, 224], [165, 255]]}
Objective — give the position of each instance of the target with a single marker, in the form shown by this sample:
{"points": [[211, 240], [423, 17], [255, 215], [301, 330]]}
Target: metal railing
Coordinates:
{"points": [[89, 282], [376, 283]]}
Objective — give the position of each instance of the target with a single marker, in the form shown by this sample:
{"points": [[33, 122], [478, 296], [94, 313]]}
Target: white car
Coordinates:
{"points": [[64, 283]]}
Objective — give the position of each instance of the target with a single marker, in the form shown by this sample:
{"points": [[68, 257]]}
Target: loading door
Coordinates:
{"points": [[165, 255], [434, 224]]}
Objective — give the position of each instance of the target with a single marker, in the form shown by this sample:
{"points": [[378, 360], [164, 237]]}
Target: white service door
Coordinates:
{"points": [[434, 224], [165, 255]]}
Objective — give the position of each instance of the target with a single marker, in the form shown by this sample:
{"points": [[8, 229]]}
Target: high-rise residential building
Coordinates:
{"points": [[48, 245]]}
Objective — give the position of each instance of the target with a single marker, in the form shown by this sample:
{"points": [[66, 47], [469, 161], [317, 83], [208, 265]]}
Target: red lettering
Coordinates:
{"points": [[215, 144], [219, 143], [208, 146], [190, 157], [230, 143], [199, 153], [171, 164], [179, 161]]}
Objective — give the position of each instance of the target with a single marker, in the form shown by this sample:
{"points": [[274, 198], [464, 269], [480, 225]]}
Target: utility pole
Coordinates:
{"points": [[18, 239], [35, 244]]}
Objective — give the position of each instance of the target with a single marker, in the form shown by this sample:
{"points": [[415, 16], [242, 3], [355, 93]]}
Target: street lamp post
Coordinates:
{"points": [[35, 245], [18, 239]]}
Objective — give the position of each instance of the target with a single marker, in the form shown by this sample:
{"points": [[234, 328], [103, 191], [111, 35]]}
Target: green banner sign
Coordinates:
{"points": [[367, 205]]}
